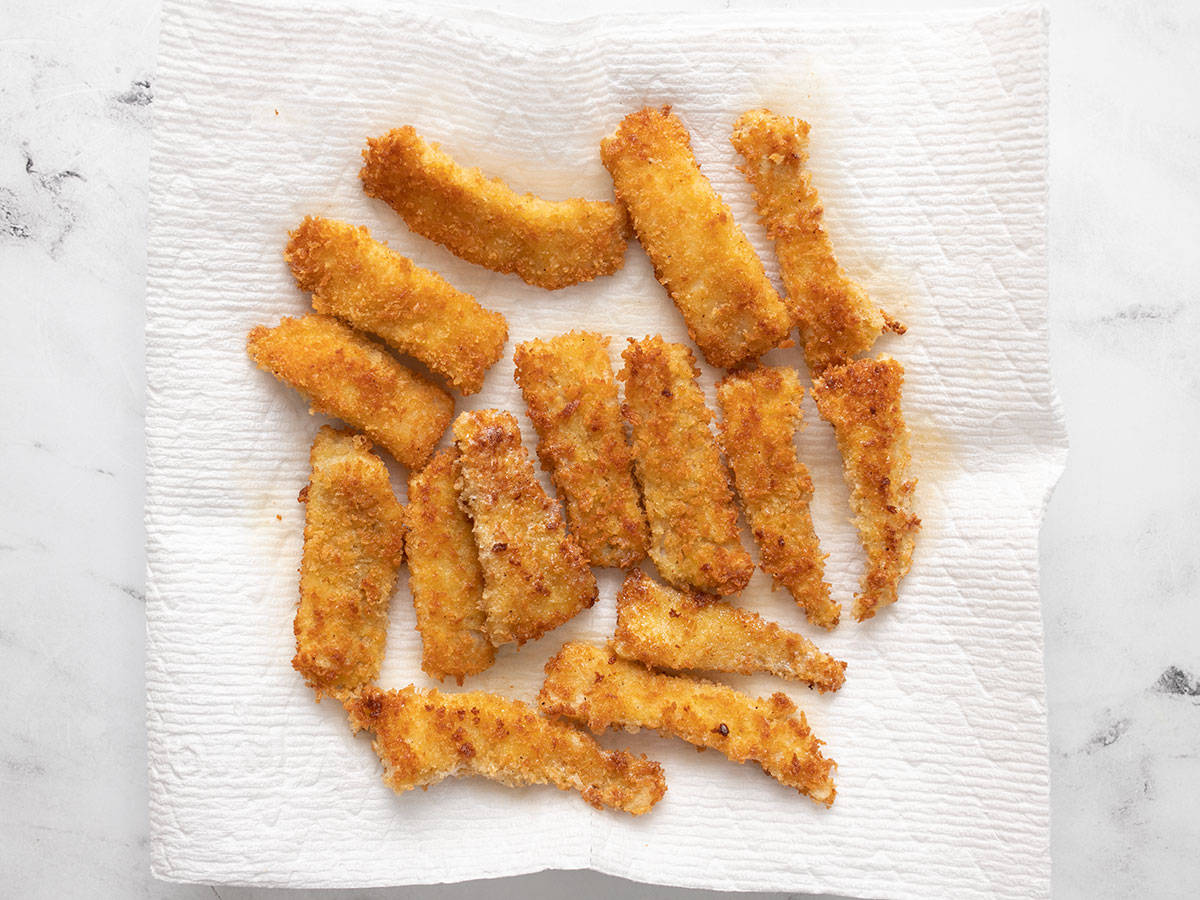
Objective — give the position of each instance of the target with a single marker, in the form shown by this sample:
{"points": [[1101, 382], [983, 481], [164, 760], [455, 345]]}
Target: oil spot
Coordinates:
{"points": [[12, 222], [1108, 736], [1176, 681], [139, 94]]}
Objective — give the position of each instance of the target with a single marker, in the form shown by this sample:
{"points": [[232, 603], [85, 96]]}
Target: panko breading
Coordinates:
{"points": [[594, 686], [700, 255], [535, 576], [548, 243], [425, 736], [353, 548], [572, 399], [348, 376], [444, 574], [358, 279], [836, 318], [761, 411], [862, 402], [664, 628], [694, 540]]}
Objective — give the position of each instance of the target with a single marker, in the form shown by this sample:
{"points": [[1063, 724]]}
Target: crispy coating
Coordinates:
{"points": [[836, 318], [862, 402], [664, 628], [444, 574], [572, 400], [550, 244], [353, 548], [424, 736], [761, 411], [593, 685], [694, 540], [349, 376], [700, 255], [413, 310], [535, 576]]}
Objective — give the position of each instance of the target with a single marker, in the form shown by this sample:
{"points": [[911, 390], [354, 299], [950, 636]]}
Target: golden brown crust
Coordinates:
{"points": [[761, 411], [353, 548], [694, 540], [593, 685], [548, 243], [424, 736], [836, 318], [349, 376], [700, 255], [444, 574], [862, 402], [358, 279], [572, 399], [535, 576], [664, 628]]}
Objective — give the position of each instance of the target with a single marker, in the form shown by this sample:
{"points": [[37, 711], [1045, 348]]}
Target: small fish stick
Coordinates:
{"points": [[594, 686], [548, 243], [353, 548], [694, 540], [425, 736], [358, 279], [444, 574], [700, 255], [572, 399], [535, 576], [761, 411], [664, 628], [348, 376], [836, 318], [861, 400]]}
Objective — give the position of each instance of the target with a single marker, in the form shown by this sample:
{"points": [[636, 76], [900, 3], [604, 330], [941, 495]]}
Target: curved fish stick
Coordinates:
{"points": [[358, 279], [425, 736], [700, 255], [348, 376], [593, 686], [550, 244]]}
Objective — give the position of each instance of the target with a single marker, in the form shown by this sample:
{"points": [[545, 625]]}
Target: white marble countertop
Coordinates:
{"points": [[1121, 569]]}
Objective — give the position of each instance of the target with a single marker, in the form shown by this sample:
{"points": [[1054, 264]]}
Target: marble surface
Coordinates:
{"points": [[1120, 563]]}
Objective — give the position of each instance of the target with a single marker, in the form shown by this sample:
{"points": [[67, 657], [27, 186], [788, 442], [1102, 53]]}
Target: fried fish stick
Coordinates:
{"points": [[413, 310], [444, 574], [548, 243], [593, 686], [572, 399], [535, 576], [836, 318], [425, 736], [700, 255], [664, 628], [348, 376], [761, 410], [861, 401], [353, 547], [694, 539]]}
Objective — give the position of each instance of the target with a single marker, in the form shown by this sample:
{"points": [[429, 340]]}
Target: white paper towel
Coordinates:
{"points": [[928, 148]]}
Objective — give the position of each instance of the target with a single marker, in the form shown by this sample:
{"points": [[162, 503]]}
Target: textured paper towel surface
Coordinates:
{"points": [[929, 152]]}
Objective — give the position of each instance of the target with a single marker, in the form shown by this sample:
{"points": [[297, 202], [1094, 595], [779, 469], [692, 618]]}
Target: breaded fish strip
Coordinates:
{"points": [[550, 244], [761, 410], [700, 255], [353, 547], [862, 402], [694, 538], [444, 574], [349, 376], [836, 318], [535, 576], [594, 686], [572, 399], [664, 628], [358, 279], [425, 736]]}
